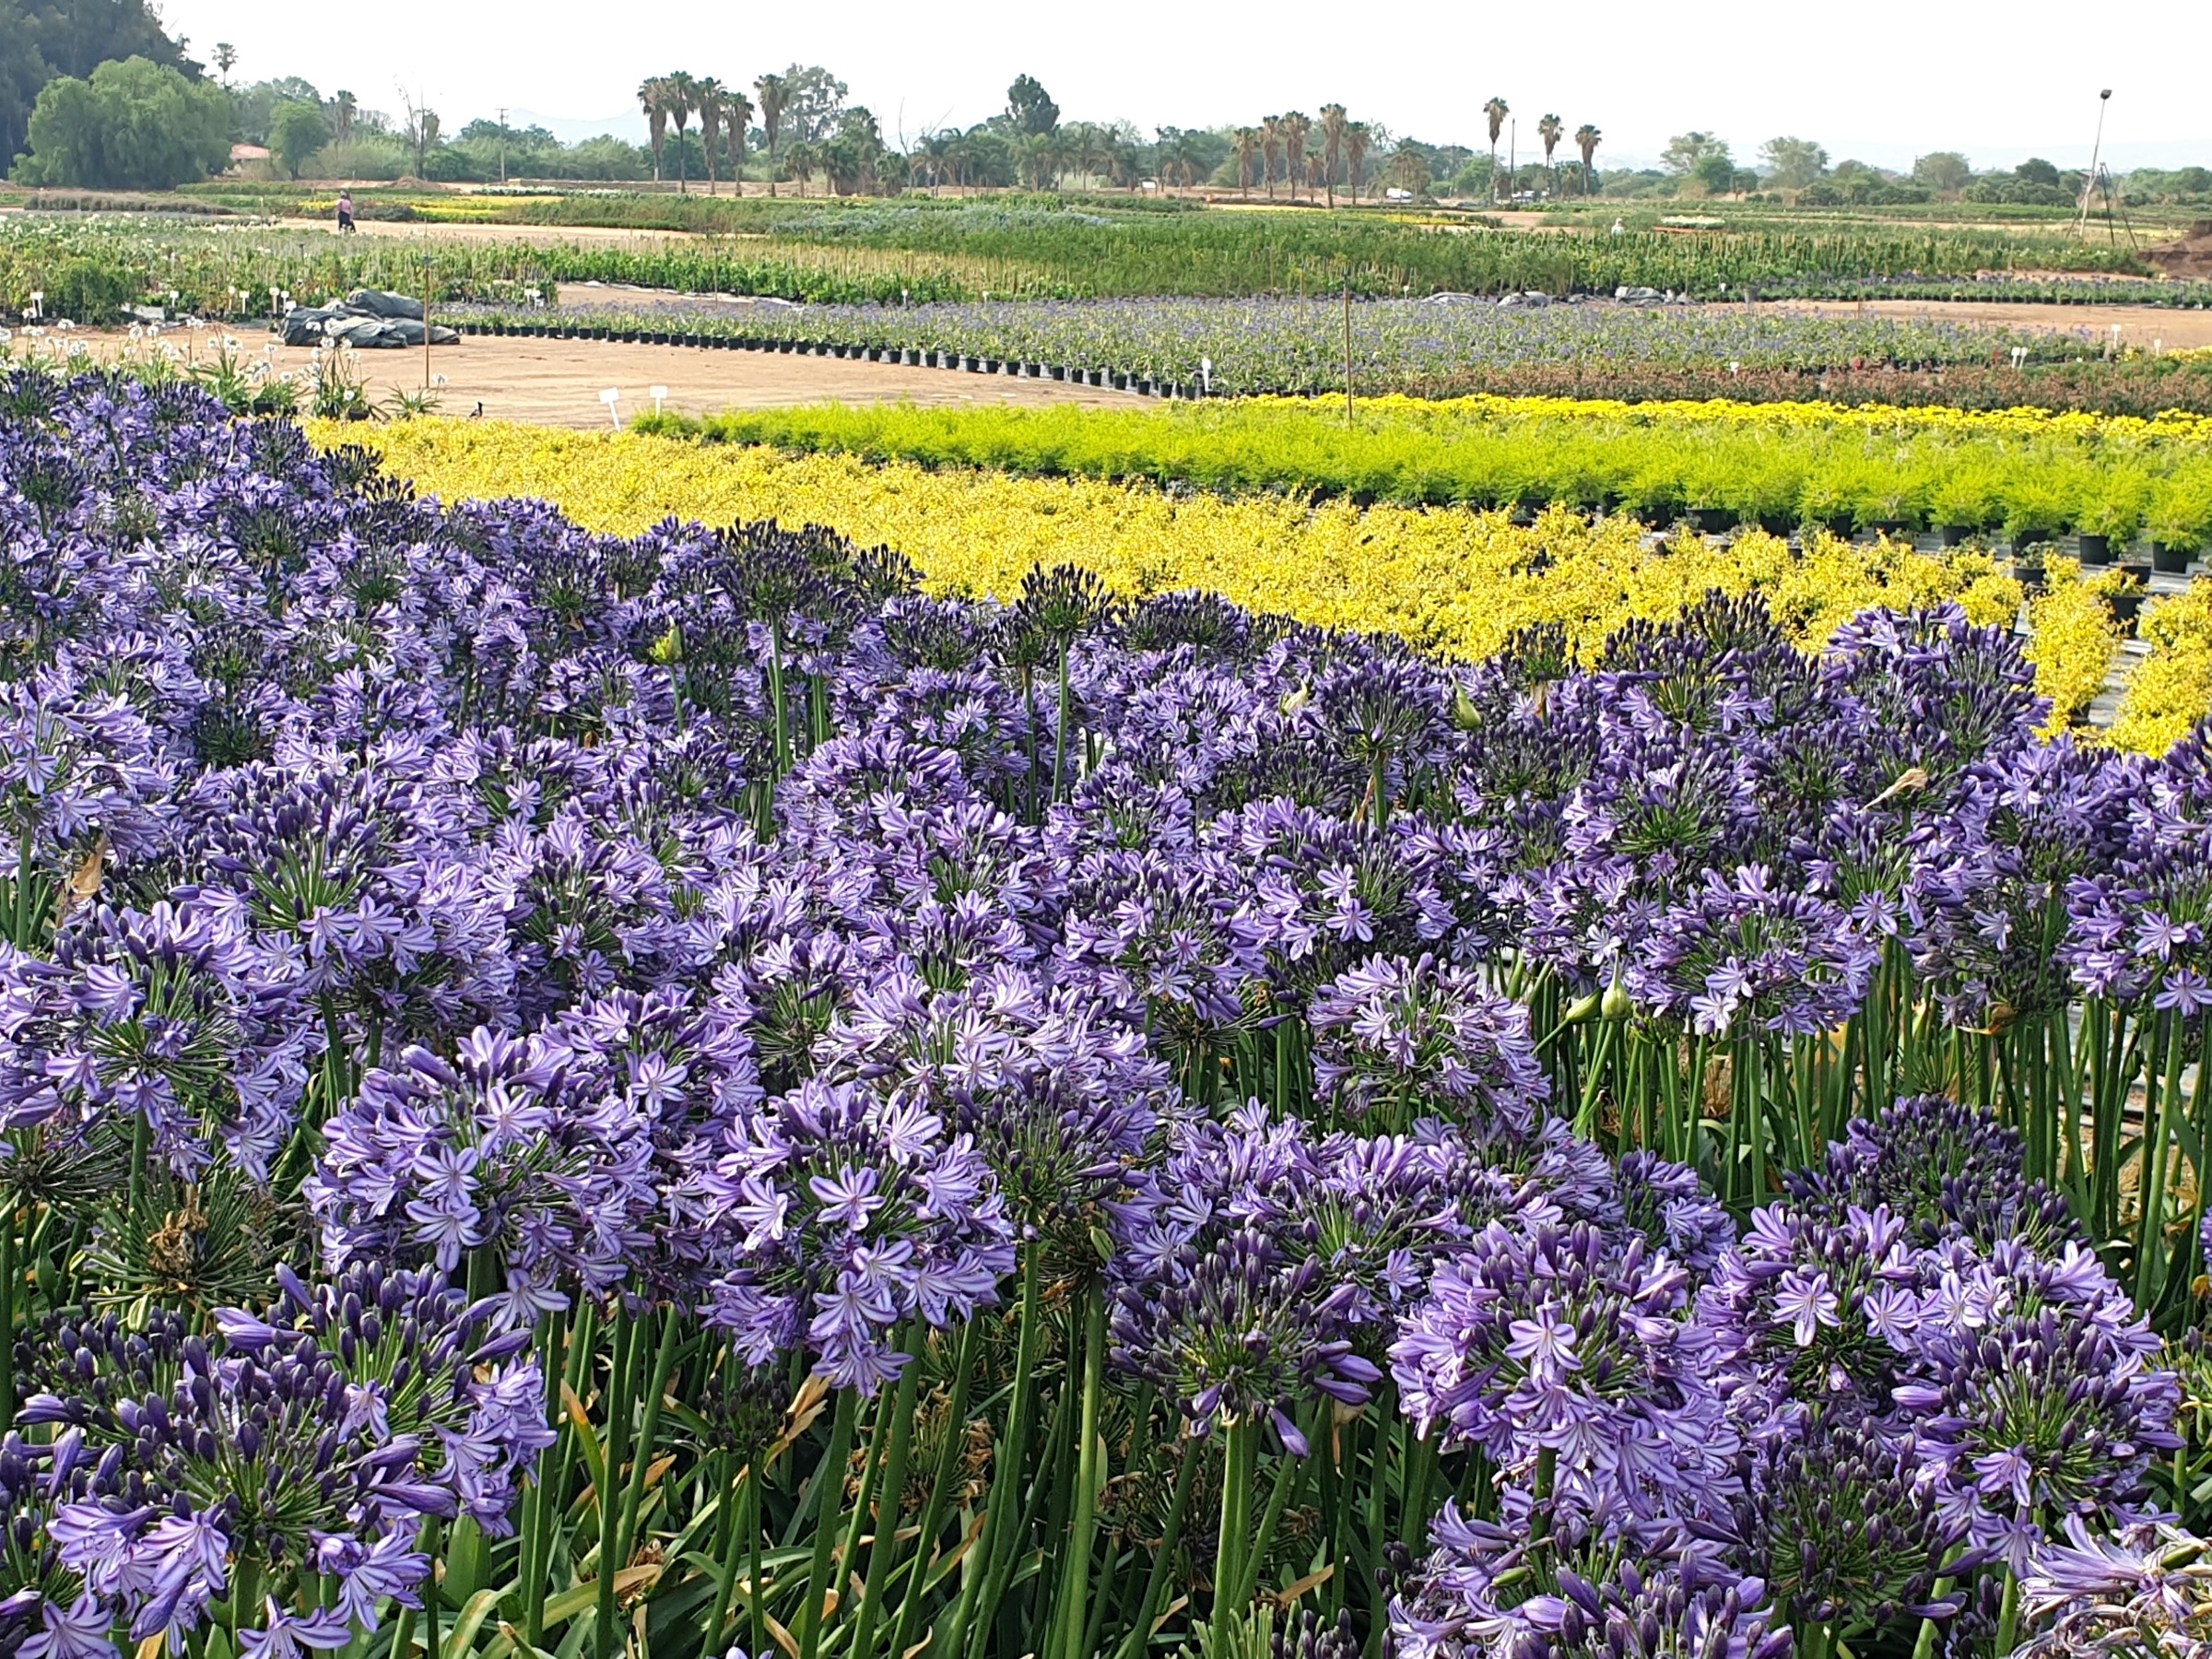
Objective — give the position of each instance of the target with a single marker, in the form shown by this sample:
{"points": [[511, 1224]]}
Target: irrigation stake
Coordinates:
{"points": [[1347, 351], [426, 321]]}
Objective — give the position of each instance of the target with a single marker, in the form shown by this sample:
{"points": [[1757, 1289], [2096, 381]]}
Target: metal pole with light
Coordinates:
{"points": [[2088, 183]]}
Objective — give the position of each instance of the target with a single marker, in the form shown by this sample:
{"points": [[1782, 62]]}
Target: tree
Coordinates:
{"points": [[799, 163], [1358, 135], [1716, 173], [2036, 170], [1247, 146], [1685, 150], [683, 98], [1497, 110], [226, 59], [1946, 172], [653, 95], [1586, 139], [1332, 123], [707, 92], [1296, 125], [1551, 129], [422, 134], [296, 132], [1409, 167], [1271, 152], [344, 106], [134, 124], [1030, 107], [774, 94], [738, 116], [1793, 163], [814, 100]]}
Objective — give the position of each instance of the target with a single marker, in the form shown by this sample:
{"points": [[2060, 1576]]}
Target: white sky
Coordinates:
{"points": [[1880, 79]]}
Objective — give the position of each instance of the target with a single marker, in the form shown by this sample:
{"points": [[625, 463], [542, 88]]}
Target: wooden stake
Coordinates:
{"points": [[1347, 351]]}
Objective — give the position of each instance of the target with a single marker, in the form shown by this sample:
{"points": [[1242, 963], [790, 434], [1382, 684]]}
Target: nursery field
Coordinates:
{"points": [[1435, 349], [1054, 1068], [886, 253]]}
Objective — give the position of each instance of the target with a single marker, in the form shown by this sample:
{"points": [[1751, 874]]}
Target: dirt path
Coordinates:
{"points": [[558, 382], [2141, 326]]}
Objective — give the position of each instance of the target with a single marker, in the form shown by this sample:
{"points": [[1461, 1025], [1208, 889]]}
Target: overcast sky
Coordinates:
{"points": [[1880, 79]]}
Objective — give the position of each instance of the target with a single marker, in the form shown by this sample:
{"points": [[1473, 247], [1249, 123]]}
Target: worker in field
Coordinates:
{"points": [[345, 213]]}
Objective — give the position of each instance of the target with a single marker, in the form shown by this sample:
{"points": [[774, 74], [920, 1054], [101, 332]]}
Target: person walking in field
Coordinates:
{"points": [[345, 213]]}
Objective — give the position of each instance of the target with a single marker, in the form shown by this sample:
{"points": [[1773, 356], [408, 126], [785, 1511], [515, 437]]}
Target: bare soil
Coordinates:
{"points": [[557, 382], [2189, 256]]}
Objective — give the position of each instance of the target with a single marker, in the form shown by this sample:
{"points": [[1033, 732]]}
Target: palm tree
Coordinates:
{"points": [[1585, 140], [653, 94], [226, 59], [1296, 125], [1497, 110], [708, 94], [738, 116], [1358, 135], [1332, 145], [775, 94], [1271, 146], [1551, 129], [683, 98], [1247, 145], [799, 162], [343, 107]]}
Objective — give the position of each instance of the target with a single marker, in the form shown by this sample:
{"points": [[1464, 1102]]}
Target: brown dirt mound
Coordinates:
{"points": [[2191, 256]]}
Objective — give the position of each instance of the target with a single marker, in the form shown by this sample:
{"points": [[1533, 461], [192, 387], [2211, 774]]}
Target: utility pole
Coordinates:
{"points": [[502, 144]]}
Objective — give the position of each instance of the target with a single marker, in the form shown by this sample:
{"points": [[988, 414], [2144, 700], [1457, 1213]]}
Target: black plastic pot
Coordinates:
{"points": [[1894, 529], [1953, 535], [2096, 549], [2029, 577], [2171, 561], [2124, 607], [2135, 571], [1711, 521]]}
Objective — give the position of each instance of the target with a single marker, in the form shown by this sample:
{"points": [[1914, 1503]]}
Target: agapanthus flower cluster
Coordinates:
{"points": [[1399, 1038], [1946, 1170], [310, 1439], [1571, 1363], [841, 1215], [164, 1017]]}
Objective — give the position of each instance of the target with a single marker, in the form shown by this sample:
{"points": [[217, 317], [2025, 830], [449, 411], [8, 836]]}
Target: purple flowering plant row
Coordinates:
{"points": [[568, 1094]]}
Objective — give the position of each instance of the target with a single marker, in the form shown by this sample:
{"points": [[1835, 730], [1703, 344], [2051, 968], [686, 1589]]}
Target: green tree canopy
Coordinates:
{"points": [[1685, 150], [1030, 107], [131, 125], [296, 132], [1717, 173], [42, 38], [1793, 163], [1943, 169]]}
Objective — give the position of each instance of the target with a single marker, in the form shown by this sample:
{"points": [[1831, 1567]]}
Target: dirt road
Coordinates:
{"points": [[558, 382]]}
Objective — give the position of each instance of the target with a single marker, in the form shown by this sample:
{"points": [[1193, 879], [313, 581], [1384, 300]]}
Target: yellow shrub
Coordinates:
{"points": [[1450, 580]]}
